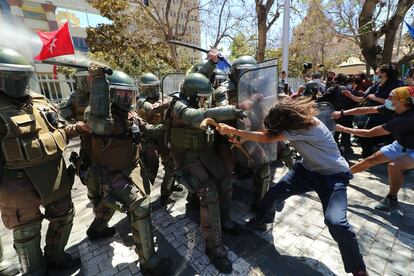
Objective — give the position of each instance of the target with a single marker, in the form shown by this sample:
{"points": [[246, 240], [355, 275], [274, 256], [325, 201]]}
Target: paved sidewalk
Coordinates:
{"points": [[298, 244]]}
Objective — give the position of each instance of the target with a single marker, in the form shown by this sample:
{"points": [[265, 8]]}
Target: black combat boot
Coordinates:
{"points": [[219, 260], [162, 268]]}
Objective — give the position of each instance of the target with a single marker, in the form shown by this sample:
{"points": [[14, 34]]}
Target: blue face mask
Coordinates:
{"points": [[388, 104], [375, 78]]}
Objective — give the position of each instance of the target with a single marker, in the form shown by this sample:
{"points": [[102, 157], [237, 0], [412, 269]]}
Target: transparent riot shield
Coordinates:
{"points": [[257, 94], [268, 62], [324, 115], [170, 83]]}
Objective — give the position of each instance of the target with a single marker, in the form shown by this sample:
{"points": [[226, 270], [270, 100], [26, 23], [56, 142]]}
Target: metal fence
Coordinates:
{"points": [[54, 89]]}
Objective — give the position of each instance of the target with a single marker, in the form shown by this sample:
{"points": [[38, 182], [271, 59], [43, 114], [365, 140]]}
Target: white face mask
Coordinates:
{"points": [[388, 104]]}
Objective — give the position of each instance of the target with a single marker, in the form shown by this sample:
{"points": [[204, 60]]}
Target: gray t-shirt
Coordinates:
{"points": [[318, 149]]}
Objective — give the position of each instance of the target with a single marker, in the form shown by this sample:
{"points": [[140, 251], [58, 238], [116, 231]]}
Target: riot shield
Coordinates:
{"points": [[268, 62], [257, 94], [325, 110], [171, 82]]}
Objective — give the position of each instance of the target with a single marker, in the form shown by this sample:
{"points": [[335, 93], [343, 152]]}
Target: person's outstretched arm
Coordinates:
{"points": [[355, 111], [373, 132], [256, 136]]}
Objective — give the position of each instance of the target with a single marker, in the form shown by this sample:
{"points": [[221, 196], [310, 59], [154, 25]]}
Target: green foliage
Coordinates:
{"points": [[67, 71], [128, 43], [242, 46]]}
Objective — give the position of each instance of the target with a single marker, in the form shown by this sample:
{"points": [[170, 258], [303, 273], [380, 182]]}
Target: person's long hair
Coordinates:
{"points": [[291, 114]]}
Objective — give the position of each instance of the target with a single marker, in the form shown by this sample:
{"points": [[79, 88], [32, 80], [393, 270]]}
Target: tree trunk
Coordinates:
{"points": [[261, 31], [173, 52], [368, 39], [367, 70]]}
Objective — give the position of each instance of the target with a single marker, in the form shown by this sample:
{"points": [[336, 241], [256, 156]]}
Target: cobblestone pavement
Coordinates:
{"points": [[298, 244]]}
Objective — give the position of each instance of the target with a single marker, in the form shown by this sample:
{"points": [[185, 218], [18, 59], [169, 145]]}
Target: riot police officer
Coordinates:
{"points": [[116, 134], [33, 172], [151, 108], [198, 164], [74, 106]]}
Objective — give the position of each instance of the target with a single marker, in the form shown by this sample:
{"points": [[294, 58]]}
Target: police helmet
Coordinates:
{"points": [[149, 85], [15, 73], [239, 65], [196, 85], [123, 90]]}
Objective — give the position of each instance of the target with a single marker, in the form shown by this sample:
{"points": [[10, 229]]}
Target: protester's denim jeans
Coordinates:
{"points": [[331, 190]]}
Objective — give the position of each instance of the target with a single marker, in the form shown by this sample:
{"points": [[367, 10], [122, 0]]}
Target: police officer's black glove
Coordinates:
{"points": [[240, 114]]}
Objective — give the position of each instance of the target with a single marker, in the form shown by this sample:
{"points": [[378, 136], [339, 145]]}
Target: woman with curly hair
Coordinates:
{"points": [[322, 169]]}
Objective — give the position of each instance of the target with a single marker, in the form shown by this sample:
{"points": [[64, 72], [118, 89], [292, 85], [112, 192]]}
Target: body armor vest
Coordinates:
{"points": [[31, 139], [186, 137], [116, 152], [153, 117]]}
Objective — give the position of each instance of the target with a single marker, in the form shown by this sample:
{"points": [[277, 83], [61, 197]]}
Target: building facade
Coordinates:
{"points": [[47, 16]]}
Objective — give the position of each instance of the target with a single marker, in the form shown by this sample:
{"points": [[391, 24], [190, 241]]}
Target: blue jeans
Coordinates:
{"points": [[331, 190]]}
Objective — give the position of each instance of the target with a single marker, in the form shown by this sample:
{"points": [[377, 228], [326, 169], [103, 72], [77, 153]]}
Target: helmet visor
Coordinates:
{"points": [[14, 83], [124, 97], [151, 91]]}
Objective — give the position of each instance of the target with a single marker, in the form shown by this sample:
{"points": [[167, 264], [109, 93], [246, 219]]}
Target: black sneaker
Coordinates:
{"points": [[220, 262], [387, 204], [163, 268]]}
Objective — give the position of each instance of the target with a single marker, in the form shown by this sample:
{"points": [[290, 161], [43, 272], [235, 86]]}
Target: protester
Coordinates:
{"points": [[365, 82], [284, 87], [409, 79], [357, 86], [322, 169], [335, 96], [312, 88], [400, 154], [329, 79], [376, 95]]}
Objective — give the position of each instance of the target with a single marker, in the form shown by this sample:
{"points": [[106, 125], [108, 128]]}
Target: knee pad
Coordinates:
{"points": [[140, 208], [58, 222], [26, 232]]}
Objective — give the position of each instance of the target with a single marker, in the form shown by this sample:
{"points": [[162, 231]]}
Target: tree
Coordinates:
{"points": [[168, 29], [315, 43], [124, 44], [242, 46], [267, 12], [372, 24], [221, 20]]}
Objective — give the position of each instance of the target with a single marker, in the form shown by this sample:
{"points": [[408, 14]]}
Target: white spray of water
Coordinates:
{"points": [[20, 38]]}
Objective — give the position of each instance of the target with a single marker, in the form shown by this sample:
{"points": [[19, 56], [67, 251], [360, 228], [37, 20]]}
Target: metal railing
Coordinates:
{"points": [[55, 89]]}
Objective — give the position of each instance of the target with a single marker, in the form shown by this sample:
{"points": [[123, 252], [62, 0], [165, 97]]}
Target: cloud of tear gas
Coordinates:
{"points": [[20, 38]]}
